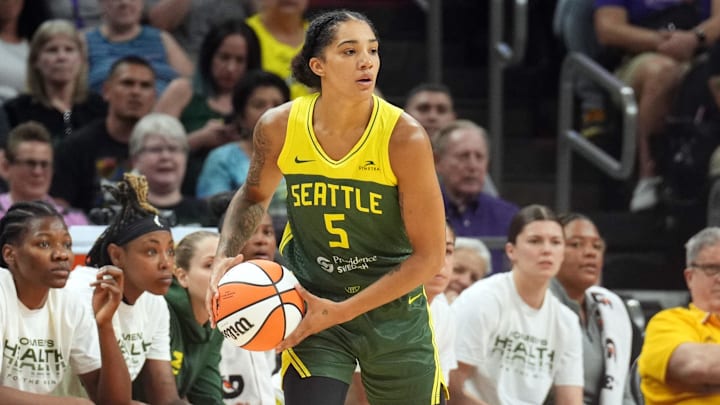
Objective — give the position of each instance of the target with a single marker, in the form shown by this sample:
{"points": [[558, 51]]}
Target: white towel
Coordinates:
{"points": [[616, 328]]}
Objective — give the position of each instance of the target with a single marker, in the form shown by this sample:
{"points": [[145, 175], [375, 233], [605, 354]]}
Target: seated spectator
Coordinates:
{"points": [[461, 158], [471, 262], [190, 20], [140, 243], [29, 168], [678, 361], [228, 51], [81, 13], [47, 332], [280, 28], [515, 340], [658, 40], [432, 105], [18, 21], [98, 153], [57, 94], [121, 34], [226, 167], [604, 320], [194, 345], [158, 150], [247, 375], [443, 318]]}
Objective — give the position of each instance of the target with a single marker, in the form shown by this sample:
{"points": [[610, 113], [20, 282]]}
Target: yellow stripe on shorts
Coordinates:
{"points": [[438, 381], [290, 358]]}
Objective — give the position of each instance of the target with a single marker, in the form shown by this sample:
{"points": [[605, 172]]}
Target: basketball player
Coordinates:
{"points": [[139, 242], [365, 224]]}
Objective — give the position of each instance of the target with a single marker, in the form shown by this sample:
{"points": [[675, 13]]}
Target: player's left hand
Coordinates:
{"points": [[320, 314]]}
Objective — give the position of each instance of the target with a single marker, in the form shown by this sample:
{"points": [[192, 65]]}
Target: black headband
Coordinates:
{"points": [[140, 227]]}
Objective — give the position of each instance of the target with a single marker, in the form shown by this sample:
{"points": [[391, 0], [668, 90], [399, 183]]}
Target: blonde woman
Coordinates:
{"points": [[57, 93]]}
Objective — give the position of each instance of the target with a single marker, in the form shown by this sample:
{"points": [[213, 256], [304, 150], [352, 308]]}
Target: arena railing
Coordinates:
{"points": [[501, 56], [574, 66]]}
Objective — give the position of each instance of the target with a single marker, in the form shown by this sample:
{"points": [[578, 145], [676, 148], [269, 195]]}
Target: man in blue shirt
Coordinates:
{"points": [[461, 159]]}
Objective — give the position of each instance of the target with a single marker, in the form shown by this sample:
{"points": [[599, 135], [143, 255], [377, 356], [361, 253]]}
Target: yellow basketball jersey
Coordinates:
{"points": [[276, 57], [345, 225]]}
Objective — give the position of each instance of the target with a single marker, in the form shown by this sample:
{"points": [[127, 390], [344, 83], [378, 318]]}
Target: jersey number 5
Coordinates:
{"points": [[330, 224]]}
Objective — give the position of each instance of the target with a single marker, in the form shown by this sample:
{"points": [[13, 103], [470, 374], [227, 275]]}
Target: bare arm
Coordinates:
{"points": [[711, 26], [695, 365], [613, 29], [568, 395], [111, 383], [168, 14], [159, 383], [683, 44], [424, 219], [250, 202], [457, 381], [177, 57], [176, 97]]}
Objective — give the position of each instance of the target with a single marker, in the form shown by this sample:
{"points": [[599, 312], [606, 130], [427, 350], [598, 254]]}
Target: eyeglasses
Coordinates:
{"points": [[32, 164], [710, 269], [157, 150]]}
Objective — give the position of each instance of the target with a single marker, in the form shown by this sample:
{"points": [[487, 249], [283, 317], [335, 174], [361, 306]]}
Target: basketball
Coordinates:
{"points": [[257, 305]]}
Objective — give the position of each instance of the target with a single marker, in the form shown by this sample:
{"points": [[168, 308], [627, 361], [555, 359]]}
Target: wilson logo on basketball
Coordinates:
{"points": [[240, 327]]}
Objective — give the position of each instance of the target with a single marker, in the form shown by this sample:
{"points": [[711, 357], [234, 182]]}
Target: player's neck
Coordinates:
{"points": [[340, 115]]}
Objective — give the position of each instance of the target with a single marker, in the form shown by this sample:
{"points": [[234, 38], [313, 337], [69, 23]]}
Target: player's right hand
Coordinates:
{"points": [[107, 293], [220, 266]]}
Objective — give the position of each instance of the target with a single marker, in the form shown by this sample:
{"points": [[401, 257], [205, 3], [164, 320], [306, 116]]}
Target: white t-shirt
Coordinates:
{"points": [[247, 376], [43, 346], [445, 331], [14, 62], [519, 352], [142, 329]]}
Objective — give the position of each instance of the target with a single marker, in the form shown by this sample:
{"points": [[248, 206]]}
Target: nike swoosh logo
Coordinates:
{"points": [[413, 299], [298, 160]]}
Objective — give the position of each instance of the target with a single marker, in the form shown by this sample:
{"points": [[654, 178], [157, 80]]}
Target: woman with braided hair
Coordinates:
{"points": [[138, 241], [48, 333]]}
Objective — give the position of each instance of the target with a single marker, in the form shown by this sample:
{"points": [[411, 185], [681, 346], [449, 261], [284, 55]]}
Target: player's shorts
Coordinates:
{"points": [[394, 345]]}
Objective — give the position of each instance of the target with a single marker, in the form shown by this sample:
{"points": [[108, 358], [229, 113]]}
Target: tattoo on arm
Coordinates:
{"points": [[245, 220], [260, 150]]}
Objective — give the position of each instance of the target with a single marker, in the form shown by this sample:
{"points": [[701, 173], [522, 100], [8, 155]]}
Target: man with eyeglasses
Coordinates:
{"points": [[680, 358], [159, 151], [98, 153], [28, 166]]}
